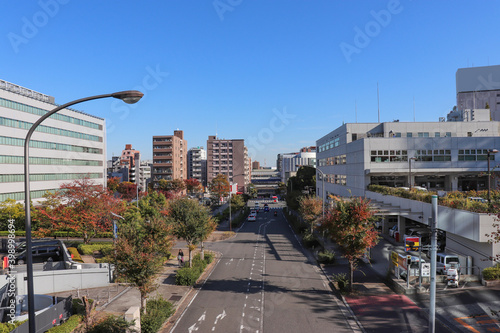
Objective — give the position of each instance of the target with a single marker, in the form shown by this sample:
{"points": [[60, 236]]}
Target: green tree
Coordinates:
{"points": [[190, 221], [9, 209], [154, 204], [141, 249], [310, 208], [219, 188], [351, 225], [252, 191]]}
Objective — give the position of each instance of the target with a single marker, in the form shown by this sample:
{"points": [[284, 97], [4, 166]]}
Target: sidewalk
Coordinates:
{"points": [[376, 307]]}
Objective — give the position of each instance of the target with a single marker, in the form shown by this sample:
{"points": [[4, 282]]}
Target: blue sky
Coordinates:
{"points": [[279, 74]]}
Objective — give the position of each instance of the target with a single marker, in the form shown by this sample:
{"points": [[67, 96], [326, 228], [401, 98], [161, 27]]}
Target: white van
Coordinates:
{"points": [[445, 261]]}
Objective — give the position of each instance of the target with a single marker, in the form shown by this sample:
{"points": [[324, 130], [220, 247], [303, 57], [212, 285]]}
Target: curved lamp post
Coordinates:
{"points": [[129, 97], [490, 151]]}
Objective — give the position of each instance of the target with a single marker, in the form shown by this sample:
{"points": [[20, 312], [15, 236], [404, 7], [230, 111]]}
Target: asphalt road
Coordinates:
{"points": [[264, 283]]}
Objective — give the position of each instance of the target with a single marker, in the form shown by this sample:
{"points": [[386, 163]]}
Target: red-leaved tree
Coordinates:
{"points": [[351, 224], [81, 206]]}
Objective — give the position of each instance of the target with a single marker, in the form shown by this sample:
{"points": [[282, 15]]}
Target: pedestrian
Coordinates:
{"points": [[180, 257]]}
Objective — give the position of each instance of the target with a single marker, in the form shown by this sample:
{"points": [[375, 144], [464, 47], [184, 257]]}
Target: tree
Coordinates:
{"points": [[154, 204], [113, 183], [487, 106], [252, 191], [192, 185], [351, 225], [9, 209], [219, 187], [141, 249], [81, 206], [191, 222], [310, 208], [127, 190]]}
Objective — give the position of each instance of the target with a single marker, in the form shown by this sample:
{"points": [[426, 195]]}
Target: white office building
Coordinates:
{"points": [[67, 146], [197, 164], [291, 162], [440, 156]]}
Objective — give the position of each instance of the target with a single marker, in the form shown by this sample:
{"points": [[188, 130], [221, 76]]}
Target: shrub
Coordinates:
{"points": [[326, 257], [491, 273], [7, 327], [68, 326], [111, 324], [74, 254], [342, 280], [310, 241], [89, 249], [187, 276], [157, 311]]}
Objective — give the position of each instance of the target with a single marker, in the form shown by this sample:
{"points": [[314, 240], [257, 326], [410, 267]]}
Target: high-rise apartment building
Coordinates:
{"points": [[69, 145], [169, 157], [130, 159], [197, 164], [230, 158]]}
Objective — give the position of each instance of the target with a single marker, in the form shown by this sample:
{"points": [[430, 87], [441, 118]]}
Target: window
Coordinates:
{"points": [[437, 134], [409, 135], [469, 133], [423, 134]]}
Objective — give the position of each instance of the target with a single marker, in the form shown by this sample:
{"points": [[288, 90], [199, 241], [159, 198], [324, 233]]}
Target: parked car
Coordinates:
{"points": [[393, 230], [252, 218], [42, 251]]}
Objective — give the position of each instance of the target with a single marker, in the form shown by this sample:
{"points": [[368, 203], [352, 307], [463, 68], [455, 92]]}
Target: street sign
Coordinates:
{"points": [[426, 269], [412, 243], [394, 258]]}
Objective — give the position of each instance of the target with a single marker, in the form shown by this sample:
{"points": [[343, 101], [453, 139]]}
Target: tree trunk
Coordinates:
{"points": [[190, 259], [143, 303], [202, 254], [351, 275]]}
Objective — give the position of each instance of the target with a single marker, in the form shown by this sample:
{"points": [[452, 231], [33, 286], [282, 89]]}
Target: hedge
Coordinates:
{"points": [[157, 312], [187, 276], [7, 327], [89, 249], [68, 326], [491, 273], [75, 255]]}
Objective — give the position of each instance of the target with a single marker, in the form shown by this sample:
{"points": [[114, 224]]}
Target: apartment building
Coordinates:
{"points": [[169, 157], [230, 158], [69, 145], [130, 159], [197, 164]]}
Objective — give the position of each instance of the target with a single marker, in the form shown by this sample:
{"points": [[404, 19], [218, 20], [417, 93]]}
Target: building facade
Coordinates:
{"points": [[67, 146], [197, 165], [291, 162], [131, 159], [169, 157], [230, 158], [479, 88]]}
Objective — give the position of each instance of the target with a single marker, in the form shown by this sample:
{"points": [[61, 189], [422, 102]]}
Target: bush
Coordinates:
{"points": [[75, 255], [187, 276], [111, 324], [326, 257], [310, 241], [157, 311], [491, 273], [7, 327], [68, 326], [89, 249], [341, 280]]}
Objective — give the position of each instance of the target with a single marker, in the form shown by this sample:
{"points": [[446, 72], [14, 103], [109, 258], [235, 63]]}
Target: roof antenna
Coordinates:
{"points": [[356, 110], [413, 108], [378, 104]]}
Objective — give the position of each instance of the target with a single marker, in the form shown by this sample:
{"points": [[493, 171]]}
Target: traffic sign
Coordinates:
{"points": [[426, 269]]}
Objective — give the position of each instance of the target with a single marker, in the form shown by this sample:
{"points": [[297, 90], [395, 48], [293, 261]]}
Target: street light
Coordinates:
{"points": [[490, 151], [129, 97], [409, 169]]}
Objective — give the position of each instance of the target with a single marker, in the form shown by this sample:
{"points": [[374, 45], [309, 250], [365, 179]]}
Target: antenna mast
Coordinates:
{"points": [[378, 104]]}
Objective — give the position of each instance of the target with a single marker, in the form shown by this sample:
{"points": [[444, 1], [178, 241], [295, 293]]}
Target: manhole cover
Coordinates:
{"points": [[175, 298]]}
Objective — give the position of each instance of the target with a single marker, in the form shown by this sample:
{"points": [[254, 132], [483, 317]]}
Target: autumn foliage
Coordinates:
{"points": [[81, 206], [351, 224]]}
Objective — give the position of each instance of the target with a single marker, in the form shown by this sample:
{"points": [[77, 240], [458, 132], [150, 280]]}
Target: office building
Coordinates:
{"points": [[291, 162], [230, 158], [437, 156], [130, 159], [67, 146], [197, 165], [169, 157]]}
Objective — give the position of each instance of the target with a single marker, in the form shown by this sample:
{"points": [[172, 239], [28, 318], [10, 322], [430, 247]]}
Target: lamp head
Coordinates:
{"points": [[128, 96], [493, 151]]}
